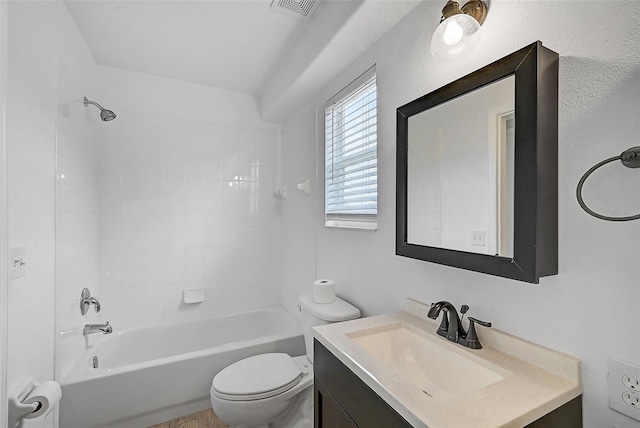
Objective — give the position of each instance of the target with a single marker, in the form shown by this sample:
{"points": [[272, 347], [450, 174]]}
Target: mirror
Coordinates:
{"points": [[477, 170], [460, 178]]}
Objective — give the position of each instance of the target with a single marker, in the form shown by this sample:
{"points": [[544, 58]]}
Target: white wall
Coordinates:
{"points": [[589, 309], [40, 34], [4, 304], [187, 174]]}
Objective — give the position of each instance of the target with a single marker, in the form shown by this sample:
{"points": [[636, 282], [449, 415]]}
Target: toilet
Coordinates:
{"points": [[274, 390]]}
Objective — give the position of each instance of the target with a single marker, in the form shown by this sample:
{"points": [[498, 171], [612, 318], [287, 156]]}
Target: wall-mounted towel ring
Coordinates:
{"points": [[629, 158]]}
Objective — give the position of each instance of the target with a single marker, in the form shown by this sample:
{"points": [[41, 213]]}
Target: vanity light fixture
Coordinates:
{"points": [[459, 29]]}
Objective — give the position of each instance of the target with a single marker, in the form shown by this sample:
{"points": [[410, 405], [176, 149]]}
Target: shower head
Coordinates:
{"points": [[105, 115]]}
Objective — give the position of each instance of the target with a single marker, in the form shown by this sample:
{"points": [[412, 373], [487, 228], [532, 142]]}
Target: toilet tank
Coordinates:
{"points": [[314, 314]]}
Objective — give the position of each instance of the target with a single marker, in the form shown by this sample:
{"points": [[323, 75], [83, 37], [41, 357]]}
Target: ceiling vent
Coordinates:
{"points": [[299, 8]]}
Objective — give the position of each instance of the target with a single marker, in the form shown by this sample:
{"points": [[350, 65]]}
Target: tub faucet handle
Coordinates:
{"points": [[86, 300], [94, 301]]}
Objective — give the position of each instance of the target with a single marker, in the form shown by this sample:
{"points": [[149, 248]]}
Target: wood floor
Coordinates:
{"points": [[204, 419]]}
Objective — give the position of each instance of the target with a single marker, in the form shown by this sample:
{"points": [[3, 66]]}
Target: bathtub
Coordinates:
{"points": [[149, 375]]}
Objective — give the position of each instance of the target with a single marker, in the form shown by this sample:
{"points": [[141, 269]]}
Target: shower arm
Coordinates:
{"points": [[87, 102]]}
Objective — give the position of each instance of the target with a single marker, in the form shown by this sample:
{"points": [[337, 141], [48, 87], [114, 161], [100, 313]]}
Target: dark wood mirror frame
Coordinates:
{"points": [[535, 252]]}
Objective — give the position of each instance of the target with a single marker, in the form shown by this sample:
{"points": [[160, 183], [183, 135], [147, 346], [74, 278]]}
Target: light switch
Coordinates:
{"points": [[17, 262]]}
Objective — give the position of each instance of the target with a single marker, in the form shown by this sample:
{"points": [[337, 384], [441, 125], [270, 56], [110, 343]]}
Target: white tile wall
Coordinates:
{"points": [[184, 203], [151, 204], [76, 215]]}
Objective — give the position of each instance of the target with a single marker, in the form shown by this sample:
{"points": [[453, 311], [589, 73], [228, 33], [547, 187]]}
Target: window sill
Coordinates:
{"points": [[352, 224]]}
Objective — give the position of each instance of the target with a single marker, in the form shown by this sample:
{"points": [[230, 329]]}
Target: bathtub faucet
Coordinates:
{"points": [[95, 328]]}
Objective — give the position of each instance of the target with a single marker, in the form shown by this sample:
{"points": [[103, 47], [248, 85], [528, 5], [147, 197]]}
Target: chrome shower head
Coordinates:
{"points": [[105, 115]]}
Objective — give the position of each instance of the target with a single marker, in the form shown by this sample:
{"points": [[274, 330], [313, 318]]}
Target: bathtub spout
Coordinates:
{"points": [[95, 328]]}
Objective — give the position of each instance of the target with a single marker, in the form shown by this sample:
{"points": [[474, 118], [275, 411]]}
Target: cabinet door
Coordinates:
{"points": [[360, 403], [327, 412]]}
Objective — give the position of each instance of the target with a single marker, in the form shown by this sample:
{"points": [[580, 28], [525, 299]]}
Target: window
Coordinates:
{"points": [[351, 161]]}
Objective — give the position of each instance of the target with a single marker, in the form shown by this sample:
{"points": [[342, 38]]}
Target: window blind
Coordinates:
{"points": [[351, 179]]}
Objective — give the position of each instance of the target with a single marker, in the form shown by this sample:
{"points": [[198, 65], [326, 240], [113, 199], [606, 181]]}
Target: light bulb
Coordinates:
{"points": [[452, 33], [455, 37]]}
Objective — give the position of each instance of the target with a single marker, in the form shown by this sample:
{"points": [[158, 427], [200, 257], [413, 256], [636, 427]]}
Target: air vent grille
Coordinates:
{"points": [[302, 8]]}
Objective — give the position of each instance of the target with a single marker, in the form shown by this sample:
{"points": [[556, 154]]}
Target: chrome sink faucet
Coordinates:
{"points": [[97, 328], [451, 324]]}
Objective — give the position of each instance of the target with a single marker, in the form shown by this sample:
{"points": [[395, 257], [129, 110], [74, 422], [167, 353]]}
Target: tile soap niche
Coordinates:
{"points": [[193, 295]]}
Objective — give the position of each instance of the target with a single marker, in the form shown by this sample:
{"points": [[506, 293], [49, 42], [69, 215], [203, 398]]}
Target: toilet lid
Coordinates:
{"points": [[257, 377]]}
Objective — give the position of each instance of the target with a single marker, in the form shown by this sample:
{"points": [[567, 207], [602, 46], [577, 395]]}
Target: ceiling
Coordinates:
{"points": [[225, 44], [240, 45]]}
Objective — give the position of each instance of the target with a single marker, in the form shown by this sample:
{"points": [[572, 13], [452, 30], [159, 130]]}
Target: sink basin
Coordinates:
{"points": [[432, 382], [425, 362]]}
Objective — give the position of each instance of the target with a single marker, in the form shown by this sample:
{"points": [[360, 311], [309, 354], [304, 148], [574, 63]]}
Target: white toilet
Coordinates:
{"points": [[274, 390]]}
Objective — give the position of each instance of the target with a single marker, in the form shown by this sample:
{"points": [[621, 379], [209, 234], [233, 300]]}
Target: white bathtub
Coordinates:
{"points": [[150, 375]]}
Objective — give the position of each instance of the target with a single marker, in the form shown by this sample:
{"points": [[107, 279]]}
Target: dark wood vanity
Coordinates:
{"points": [[343, 400]]}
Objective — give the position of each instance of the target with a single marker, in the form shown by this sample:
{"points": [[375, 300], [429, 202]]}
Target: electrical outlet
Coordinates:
{"points": [[632, 399], [478, 238], [631, 382], [17, 262], [624, 387]]}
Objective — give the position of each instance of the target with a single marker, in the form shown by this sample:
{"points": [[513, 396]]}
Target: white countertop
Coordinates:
{"points": [[537, 380]]}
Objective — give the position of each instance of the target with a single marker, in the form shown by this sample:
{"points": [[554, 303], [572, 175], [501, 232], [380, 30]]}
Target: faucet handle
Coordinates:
{"points": [[94, 301], [87, 300], [463, 310], [477, 321], [471, 339]]}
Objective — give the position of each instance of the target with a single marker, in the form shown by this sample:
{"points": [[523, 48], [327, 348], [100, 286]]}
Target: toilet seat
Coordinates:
{"points": [[257, 377]]}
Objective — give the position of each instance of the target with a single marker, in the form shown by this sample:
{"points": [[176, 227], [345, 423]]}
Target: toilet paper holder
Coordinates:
{"points": [[17, 409]]}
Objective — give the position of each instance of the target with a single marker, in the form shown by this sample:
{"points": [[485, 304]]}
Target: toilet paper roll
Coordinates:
{"points": [[48, 394], [324, 291]]}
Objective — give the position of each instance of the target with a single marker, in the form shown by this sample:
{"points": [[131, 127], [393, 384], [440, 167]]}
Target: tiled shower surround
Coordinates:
{"points": [[171, 195], [185, 204]]}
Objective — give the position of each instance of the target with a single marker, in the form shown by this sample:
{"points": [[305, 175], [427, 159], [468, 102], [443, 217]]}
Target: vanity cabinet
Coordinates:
{"points": [[343, 400]]}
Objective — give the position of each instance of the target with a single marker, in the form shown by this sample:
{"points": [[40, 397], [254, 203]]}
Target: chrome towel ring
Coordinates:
{"points": [[629, 158]]}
